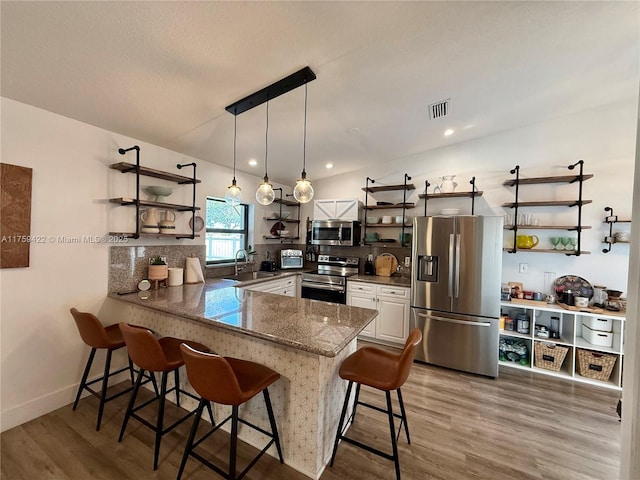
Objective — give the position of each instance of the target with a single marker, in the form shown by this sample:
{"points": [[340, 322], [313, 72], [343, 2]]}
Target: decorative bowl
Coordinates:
{"points": [[387, 219], [450, 211], [373, 219], [283, 233], [159, 192], [284, 215]]}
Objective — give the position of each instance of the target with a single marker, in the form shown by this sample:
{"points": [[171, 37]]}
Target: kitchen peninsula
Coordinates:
{"points": [[304, 340]]}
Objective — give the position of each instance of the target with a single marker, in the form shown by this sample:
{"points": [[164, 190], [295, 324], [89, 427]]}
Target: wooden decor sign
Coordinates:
{"points": [[15, 215]]}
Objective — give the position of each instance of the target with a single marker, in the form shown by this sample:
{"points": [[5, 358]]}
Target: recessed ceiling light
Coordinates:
{"points": [[448, 132], [329, 165], [253, 162]]}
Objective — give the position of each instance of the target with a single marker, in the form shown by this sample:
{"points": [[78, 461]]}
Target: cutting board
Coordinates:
{"points": [[386, 264]]}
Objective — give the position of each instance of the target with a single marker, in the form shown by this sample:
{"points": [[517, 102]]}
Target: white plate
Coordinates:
{"points": [[144, 285], [199, 223]]}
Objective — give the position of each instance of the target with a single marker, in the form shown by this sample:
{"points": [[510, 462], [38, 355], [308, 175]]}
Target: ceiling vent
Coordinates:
{"points": [[440, 109]]}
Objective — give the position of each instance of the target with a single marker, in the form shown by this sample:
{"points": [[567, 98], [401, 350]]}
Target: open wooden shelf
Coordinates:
{"points": [[548, 203], [126, 167], [546, 250], [451, 195], [158, 235], [546, 227], [288, 203], [387, 207], [389, 188], [397, 225], [148, 203], [541, 180], [277, 237], [285, 220]]}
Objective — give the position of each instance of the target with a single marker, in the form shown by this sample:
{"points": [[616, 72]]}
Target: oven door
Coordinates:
{"points": [[324, 291]]}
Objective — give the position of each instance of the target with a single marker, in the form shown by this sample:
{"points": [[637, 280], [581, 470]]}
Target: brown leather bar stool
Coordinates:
{"points": [[152, 355], [95, 335], [228, 381], [384, 371]]}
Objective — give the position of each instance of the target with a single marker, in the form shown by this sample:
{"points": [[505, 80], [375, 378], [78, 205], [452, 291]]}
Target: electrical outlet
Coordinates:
{"points": [[407, 261], [523, 268]]}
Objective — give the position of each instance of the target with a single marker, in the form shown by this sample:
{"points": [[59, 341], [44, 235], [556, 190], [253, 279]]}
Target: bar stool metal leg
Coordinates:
{"points": [[177, 380], [404, 416], [159, 425], [83, 382], [392, 430], [342, 415], [103, 392], [192, 436], [272, 420], [132, 401]]}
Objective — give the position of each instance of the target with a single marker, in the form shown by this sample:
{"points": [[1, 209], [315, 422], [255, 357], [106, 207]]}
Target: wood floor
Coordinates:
{"points": [[519, 426]]}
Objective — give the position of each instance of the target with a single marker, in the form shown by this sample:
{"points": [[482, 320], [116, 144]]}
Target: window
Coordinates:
{"points": [[227, 230]]}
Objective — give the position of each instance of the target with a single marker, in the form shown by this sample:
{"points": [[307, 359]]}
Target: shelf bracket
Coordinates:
{"points": [[193, 212], [473, 194], [366, 204], [515, 171], [123, 151], [609, 220], [404, 208], [426, 195], [579, 179]]}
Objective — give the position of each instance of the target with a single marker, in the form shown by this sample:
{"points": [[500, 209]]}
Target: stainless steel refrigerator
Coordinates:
{"points": [[455, 291]]}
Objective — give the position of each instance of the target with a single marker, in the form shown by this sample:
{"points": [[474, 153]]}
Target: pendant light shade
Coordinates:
{"points": [[265, 194], [303, 191], [234, 193]]}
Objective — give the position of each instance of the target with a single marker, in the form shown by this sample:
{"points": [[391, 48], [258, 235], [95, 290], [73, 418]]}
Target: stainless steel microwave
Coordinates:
{"points": [[335, 232]]}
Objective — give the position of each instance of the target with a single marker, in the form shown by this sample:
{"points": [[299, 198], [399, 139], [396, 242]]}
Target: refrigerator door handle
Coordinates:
{"points": [[451, 263], [456, 291], [453, 320]]}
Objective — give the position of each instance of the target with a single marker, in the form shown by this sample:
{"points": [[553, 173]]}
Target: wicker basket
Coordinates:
{"points": [[595, 365], [549, 355]]}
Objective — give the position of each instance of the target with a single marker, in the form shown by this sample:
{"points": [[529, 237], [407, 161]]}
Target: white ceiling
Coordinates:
{"points": [[162, 72]]}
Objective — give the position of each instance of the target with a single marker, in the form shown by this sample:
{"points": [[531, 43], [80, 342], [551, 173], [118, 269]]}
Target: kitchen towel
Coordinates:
{"points": [[193, 271]]}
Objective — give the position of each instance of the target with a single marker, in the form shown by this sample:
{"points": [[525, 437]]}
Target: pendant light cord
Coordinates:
{"points": [[235, 131], [304, 141], [266, 146]]}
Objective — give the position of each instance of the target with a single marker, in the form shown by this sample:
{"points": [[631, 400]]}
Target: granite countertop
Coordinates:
{"points": [[396, 280], [317, 327]]}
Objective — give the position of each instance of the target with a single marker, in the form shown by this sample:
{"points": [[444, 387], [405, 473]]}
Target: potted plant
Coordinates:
{"points": [[250, 252], [158, 269]]}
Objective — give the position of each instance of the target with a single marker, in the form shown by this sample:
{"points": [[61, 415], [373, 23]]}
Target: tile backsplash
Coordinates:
{"points": [[128, 265]]}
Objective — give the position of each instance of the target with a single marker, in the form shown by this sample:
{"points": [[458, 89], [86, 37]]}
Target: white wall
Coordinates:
{"points": [[604, 138], [42, 356]]}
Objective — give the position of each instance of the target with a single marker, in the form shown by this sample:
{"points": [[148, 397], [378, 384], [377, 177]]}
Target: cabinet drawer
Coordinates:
{"points": [[361, 287], [288, 281], [395, 292]]}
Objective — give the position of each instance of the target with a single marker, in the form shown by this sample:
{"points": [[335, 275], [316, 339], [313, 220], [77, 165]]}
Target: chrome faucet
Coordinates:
{"points": [[246, 260]]}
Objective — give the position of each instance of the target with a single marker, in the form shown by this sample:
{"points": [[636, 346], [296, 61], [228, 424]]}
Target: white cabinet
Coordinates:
{"points": [[337, 209], [392, 302], [363, 295], [582, 360], [281, 286]]}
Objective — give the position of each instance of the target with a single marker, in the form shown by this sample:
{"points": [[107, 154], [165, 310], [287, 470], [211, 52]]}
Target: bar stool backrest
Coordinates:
{"points": [[212, 377], [406, 357], [144, 349], [91, 330]]}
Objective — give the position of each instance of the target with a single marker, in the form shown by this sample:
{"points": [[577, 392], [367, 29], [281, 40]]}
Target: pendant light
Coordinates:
{"points": [[234, 194], [303, 191], [265, 194]]}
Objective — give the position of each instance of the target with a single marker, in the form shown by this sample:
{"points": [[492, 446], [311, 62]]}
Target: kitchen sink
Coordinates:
{"points": [[244, 276]]}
